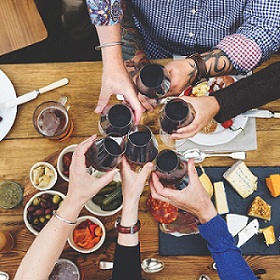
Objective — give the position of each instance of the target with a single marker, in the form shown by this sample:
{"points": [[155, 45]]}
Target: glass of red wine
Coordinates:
{"points": [[172, 169], [175, 114], [115, 119], [142, 146], [106, 153]]}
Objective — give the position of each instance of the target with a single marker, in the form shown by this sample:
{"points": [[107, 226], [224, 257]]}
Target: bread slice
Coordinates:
{"points": [[260, 209]]}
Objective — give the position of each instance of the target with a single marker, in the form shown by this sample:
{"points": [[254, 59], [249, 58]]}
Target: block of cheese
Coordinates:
{"points": [[260, 209], [236, 223], [273, 184], [206, 182], [220, 198], [269, 235], [241, 179]]}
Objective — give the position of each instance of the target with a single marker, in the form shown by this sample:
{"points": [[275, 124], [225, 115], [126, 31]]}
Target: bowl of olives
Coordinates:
{"points": [[39, 209]]}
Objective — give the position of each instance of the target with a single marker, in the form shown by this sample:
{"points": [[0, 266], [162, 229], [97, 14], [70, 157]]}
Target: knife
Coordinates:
{"points": [[255, 113], [246, 233], [33, 94]]}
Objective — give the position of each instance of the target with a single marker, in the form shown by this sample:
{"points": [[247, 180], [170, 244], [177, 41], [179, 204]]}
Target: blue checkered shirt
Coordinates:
{"points": [[249, 28]]}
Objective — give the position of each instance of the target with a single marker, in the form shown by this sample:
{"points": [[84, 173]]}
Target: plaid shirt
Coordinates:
{"points": [[248, 31]]}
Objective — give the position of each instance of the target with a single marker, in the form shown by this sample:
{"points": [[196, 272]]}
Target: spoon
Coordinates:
{"points": [[199, 156], [151, 265]]}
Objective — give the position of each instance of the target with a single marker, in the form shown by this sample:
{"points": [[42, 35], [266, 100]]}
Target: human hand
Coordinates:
{"points": [[133, 182], [206, 107], [82, 185], [147, 103], [116, 80], [182, 73], [193, 199]]}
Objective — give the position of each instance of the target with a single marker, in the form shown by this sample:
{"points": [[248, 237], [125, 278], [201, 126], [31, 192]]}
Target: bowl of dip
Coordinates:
{"points": [[11, 194]]}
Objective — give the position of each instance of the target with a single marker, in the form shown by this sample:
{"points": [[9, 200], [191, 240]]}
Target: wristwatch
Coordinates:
{"points": [[127, 230], [200, 66]]}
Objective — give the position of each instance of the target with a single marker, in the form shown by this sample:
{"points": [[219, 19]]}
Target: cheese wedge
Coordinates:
{"points": [[236, 223], [260, 209], [220, 198], [269, 235], [206, 182], [273, 184], [241, 179]]}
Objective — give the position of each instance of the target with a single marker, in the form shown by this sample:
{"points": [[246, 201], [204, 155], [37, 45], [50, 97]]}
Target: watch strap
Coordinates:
{"points": [[127, 230], [200, 66]]}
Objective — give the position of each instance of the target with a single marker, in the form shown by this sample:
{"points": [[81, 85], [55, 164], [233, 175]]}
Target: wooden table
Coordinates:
{"points": [[23, 146], [21, 25]]}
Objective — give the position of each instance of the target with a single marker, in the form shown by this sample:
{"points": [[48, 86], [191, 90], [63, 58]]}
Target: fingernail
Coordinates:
{"points": [[98, 109]]}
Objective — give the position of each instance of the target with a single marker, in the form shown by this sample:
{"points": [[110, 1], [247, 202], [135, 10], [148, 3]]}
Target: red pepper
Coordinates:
{"points": [[188, 91]]}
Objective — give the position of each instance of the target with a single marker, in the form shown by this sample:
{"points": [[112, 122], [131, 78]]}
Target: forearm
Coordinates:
{"points": [[229, 261], [248, 93], [48, 245]]}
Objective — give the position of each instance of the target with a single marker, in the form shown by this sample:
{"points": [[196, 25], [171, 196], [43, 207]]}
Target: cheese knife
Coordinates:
{"points": [[33, 94], [249, 231], [255, 113]]}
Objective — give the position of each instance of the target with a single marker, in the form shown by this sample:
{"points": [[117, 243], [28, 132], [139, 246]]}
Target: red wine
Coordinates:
{"points": [[119, 115], [167, 161], [140, 138]]}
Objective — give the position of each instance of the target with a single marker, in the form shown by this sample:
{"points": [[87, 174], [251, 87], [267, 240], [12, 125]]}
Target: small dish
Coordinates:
{"points": [[43, 207], [151, 265], [43, 175], [11, 194], [63, 166], [96, 209], [80, 249]]}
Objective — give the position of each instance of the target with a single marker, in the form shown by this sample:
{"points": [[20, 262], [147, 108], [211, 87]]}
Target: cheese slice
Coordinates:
{"points": [[220, 198], [260, 209], [269, 235], [273, 184], [206, 182], [241, 179], [236, 223]]}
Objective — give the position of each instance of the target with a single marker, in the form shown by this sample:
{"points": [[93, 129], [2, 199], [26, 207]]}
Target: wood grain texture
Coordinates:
{"points": [[23, 146], [21, 25]]}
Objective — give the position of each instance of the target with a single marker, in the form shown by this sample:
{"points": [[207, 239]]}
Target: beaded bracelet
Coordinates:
{"points": [[62, 219], [97, 48]]}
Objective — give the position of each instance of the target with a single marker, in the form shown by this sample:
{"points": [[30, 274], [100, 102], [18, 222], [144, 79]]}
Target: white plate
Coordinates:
{"points": [[221, 135], [7, 92]]}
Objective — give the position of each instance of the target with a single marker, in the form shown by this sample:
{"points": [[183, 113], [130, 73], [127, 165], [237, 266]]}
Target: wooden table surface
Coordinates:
{"points": [[21, 25], [23, 146]]}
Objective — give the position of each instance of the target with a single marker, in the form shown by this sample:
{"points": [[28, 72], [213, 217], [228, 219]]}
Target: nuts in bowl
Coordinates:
{"points": [[39, 209], [64, 161], [43, 175], [88, 235]]}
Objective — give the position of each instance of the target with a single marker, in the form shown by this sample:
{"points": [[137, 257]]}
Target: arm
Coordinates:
{"points": [[127, 254], [48, 245], [115, 78], [194, 199]]}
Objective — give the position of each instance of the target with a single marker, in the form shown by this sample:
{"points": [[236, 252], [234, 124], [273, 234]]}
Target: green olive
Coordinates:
{"points": [[42, 219], [36, 221], [56, 199], [48, 216], [36, 201]]}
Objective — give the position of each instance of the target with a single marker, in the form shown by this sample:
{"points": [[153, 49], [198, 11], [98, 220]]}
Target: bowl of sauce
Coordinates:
{"points": [[11, 194]]}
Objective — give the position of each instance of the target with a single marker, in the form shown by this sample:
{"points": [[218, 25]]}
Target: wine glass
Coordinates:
{"points": [[106, 153], [115, 119], [172, 169], [142, 146], [175, 114]]}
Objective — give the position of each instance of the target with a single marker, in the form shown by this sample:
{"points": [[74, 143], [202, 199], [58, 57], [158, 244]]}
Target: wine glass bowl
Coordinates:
{"points": [[142, 146], [106, 153], [116, 119], [172, 169]]}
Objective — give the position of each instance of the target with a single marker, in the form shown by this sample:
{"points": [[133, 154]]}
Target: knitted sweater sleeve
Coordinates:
{"points": [[248, 93], [229, 261]]}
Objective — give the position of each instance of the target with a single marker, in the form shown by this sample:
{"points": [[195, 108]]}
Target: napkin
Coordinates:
{"points": [[246, 140]]}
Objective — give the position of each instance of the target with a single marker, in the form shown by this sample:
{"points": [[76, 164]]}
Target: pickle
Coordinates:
{"points": [[113, 196], [108, 189], [113, 205], [98, 199]]}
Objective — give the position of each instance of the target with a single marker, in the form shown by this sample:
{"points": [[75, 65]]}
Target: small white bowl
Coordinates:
{"points": [[95, 209], [53, 179], [59, 164], [29, 203], [94, 248]]}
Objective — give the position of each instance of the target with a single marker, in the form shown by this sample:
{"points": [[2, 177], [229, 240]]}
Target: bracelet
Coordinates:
{"points": [[200, 66], [62, 219], [127, 230], [98, 48]]}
